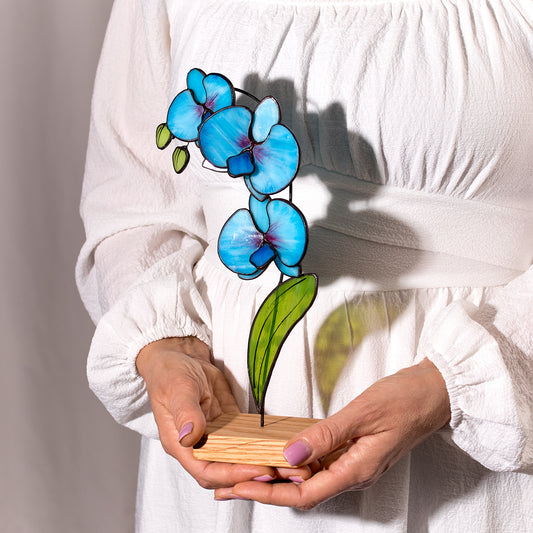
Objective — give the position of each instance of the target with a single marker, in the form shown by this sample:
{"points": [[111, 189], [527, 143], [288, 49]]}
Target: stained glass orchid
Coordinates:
{"points": [[272, 230], [253, 145], [205, 95]]}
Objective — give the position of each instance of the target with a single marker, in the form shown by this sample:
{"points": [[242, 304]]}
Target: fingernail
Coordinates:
{"points": [[296, 479], [185, 430], [297, 453], [265, 479], [235, 497]]}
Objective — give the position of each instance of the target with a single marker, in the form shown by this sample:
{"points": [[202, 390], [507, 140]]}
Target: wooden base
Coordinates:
{"points": [[239, 438]]}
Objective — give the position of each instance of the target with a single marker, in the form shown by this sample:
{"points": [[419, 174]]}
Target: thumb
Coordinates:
{"points": [[324, 437], [188, 417], [177, 411]]}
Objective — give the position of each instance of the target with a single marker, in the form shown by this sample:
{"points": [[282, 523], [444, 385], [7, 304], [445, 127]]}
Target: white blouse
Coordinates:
{"points": [[415, 123]]}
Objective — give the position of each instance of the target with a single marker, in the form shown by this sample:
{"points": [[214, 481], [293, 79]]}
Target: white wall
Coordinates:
{"points": [[65, 466]]}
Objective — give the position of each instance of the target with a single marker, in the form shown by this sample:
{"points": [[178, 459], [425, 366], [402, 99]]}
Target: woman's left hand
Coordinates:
{"points": [[359, 443]]}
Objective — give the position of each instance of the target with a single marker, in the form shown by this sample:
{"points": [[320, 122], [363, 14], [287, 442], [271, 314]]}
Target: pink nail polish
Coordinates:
{"points": [[185, 430], [296, 479], [265, 479], [297, 453]]}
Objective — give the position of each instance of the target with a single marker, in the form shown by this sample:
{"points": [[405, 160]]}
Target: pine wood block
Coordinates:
{"points": [[239, 438]]}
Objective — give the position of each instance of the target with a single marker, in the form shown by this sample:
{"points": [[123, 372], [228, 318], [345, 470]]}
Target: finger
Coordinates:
{"points": [[175, 387], [215, 475], [207, 474], [222, 392], [170, 432], [304, 495], [296, 475], [347, 472], [326, 436], [214, 400], [188, 418]]}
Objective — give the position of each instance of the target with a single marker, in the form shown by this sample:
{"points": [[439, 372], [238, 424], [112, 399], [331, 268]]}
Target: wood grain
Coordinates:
{"points": [[239, 438]]}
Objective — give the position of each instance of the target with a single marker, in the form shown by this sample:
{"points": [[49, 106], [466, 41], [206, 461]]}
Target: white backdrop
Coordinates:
{"points": [[65, 466]]}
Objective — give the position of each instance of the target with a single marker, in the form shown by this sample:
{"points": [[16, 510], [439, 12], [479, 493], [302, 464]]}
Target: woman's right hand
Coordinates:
{"points": [[185, 391]]}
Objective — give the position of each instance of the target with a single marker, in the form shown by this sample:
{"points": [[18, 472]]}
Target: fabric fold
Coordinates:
{"points": [[148, 312], [490, 420]]}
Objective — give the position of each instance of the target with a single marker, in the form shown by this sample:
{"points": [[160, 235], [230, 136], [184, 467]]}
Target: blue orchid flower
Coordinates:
{"points": [[252, 145], [272, 230], [205, 95]]}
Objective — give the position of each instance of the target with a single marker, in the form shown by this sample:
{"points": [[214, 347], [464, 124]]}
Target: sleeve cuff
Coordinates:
{"points": [[484, 420], [156, 310]]}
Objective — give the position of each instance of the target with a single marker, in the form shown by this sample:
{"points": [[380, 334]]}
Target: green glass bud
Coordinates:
{"points": [[163, 136], [180, 158]]}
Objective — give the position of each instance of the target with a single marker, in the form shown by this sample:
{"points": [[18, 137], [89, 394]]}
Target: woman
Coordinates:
{"points": [[415, 126]]}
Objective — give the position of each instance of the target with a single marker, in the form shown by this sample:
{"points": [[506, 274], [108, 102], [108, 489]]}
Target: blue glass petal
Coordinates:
{"points": [[240, 165], [220, 92], [276, 161], [252, 276], [266, 114], [292, 272], [287, 232], [253, 192], [262, 257], [195, 84], [238, 240], [258, 209], [184, 117], [225, 134]]}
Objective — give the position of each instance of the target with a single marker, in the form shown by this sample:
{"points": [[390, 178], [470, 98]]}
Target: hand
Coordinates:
{"points": [[364, 439], [185, 390]]}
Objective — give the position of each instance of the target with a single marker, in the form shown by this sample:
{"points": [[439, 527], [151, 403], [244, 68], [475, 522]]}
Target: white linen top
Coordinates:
{"points": [[415, 122]]}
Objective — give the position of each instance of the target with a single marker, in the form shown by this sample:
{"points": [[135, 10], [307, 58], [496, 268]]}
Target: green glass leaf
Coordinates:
{"points": [[180, 158], [163, 136], [278, 314]]}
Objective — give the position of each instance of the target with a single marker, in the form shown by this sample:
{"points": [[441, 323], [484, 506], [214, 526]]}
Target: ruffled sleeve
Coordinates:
{"points": [[485, 354], [144, 224]]}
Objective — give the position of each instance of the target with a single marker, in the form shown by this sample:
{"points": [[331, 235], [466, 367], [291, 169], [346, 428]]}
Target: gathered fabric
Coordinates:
{"points": [[415, 127]]}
